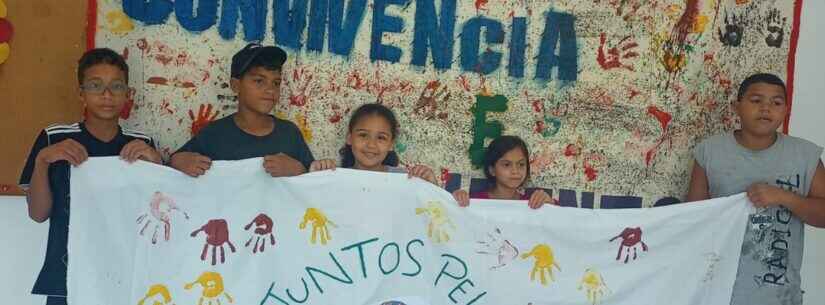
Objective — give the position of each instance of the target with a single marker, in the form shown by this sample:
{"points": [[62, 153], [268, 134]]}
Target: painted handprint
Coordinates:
{"points": [[545, 261], [263, 230], [593, 285], [204, 117], [776, 29], [430, 98], [611, 58], [157, 295], [217, 234], [319, 225], [733, 30], [631, 241], [673, 60], [625, 8], [437, 214], [160, 210], [298, 85], [664, 120], [212, 284], [686, 25], [496, 245]]}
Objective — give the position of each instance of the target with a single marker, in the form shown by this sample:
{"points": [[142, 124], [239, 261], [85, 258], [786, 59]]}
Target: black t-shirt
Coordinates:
{"points": [[224, 140], [52, 278]]}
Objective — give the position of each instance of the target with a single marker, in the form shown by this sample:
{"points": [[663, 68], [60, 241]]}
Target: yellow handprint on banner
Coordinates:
{"points": [[212, 284], [437, 228], [319, 225], [544, 262], [157, 295], [593, 285]]}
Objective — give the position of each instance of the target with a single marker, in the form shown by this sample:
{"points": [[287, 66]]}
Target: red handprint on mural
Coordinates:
{"points": [[664, 119], [631, 241], [217, 234], [612, 57], [205, 116], [263, 230], [625, 8], [591, 163], [297, 87], [481, 5], [685, 25], [430, 98], [160, 208]]}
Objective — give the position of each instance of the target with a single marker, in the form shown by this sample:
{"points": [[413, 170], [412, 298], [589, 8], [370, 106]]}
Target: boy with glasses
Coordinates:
{"points": [[103, 76]]}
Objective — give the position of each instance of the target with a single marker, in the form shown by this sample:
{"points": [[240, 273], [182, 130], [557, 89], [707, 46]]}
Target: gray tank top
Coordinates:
{"points": [[771, 254]]}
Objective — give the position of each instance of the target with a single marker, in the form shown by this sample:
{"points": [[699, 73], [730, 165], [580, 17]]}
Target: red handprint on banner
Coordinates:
{"points": [[217, 234], [160, 209], [631, 241], [263, 230]]}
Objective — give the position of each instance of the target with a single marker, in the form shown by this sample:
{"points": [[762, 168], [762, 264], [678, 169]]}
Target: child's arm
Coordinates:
{"points": [[538, 198], [296, 163], [281, 165], [139, 149], [303, 154], [810, 209], [188, 158], [321, 165], [423, 172], [190, 163], [698, 190], [462, 197], [39, 194]]}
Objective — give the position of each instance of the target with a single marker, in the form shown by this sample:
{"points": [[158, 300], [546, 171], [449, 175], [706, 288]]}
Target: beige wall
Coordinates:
{"points": [[38, 82]]}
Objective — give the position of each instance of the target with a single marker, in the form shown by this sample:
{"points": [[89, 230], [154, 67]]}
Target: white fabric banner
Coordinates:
{"points": [[145, 234]]}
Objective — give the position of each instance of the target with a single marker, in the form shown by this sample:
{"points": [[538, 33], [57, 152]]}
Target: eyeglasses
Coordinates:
{"points": [[96, 87]]}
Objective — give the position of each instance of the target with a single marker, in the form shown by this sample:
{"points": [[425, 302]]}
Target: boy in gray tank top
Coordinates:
{"points": [[782, 175]]}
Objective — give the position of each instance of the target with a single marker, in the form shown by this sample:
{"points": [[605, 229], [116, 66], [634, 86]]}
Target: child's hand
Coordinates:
{"points": [[138, 149], [423, 172], [764, 195], [462, 197], [321, 165], [68, 150], [190, 163], [538, 198], [281, 165]]}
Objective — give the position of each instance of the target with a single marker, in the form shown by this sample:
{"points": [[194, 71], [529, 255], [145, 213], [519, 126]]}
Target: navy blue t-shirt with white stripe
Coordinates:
{"points": [[52, 278]]}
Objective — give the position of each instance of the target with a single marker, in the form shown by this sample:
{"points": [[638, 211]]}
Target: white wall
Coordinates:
{"points": [[25, 241], [24, 248], [808, 121]]}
